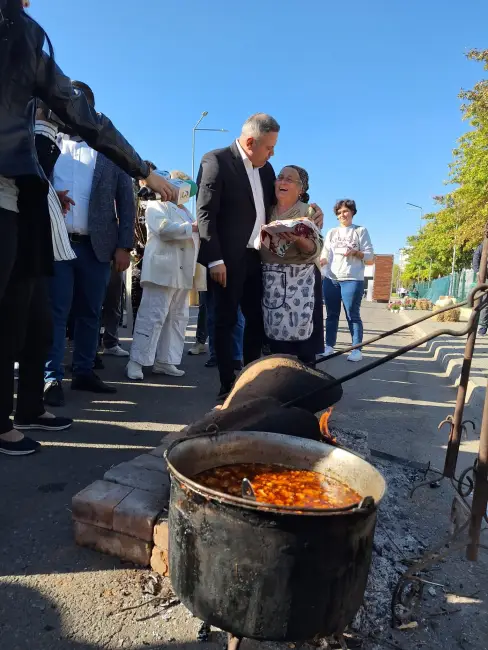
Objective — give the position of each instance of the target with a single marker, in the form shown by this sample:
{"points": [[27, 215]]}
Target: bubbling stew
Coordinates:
{"points": [[280, 486]]}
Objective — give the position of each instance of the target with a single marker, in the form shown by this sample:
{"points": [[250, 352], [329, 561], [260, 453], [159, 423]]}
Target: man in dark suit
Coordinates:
{"points": [[235, 197]]}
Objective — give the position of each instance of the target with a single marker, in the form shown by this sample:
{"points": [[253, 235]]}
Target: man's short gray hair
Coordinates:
{"points": [[259, 124]]}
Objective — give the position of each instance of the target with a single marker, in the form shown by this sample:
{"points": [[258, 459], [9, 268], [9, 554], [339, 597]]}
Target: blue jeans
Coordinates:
{"points": [[350, 293], [237, 334], [83, 282]]}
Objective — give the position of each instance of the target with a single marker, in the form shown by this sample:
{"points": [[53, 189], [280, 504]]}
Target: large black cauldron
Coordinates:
{"points": [[269, 573]]}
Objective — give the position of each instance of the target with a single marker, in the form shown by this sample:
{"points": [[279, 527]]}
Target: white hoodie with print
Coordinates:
{"points": [[337, 241]]}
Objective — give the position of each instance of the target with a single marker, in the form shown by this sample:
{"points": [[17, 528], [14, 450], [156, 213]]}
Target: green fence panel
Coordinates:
{"points": [[462, 283]]}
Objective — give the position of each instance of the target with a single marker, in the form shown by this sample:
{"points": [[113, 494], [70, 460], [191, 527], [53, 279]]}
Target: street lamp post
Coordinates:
{"points": [[194, 130], [418, 207]]}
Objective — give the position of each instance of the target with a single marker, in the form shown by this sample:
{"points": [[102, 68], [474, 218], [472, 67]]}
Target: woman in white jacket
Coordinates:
{"points": [[169, 272], [346, 250]]}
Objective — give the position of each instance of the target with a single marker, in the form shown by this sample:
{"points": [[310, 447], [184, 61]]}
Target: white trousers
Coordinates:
{"points": [[159, 333]]}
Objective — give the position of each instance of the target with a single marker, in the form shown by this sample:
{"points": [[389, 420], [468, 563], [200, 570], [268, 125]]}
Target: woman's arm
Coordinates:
{"points": [[365, 246], [324, 255]]}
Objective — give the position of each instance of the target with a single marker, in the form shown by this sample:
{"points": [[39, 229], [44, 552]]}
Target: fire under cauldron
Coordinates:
{"points": [[269, 572]]}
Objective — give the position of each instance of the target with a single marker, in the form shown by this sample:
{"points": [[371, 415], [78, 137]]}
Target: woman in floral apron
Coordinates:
{"points": [[290, 250]]}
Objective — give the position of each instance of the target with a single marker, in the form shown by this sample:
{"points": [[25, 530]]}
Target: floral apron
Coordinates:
{"points": [[288, 301]]}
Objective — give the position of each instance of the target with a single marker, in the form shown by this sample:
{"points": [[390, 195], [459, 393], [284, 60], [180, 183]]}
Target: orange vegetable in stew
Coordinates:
{"points": [[280, 486]]}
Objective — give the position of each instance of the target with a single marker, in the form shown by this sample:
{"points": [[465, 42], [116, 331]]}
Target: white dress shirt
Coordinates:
{"points": [[74, 172], [257, 193]]}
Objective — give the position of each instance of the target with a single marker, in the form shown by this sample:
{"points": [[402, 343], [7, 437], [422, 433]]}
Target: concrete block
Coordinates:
{"points": [[150, 461], [122, 546], [160, 534], [138, 477], [159, 562], [96, 503], [137, 513]]}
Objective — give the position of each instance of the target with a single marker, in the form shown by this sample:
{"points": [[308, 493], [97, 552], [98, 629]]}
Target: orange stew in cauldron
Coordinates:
{"points": [[280, 486]]}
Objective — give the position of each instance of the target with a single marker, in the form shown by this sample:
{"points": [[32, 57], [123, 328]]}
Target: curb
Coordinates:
{"points": [[449, 353]]}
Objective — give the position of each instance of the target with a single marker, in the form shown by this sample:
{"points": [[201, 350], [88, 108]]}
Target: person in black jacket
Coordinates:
{"points": [[483, 323], [28, 72]]}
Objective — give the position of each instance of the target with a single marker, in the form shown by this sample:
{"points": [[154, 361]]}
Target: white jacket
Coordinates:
{"points": [[170, 256]]}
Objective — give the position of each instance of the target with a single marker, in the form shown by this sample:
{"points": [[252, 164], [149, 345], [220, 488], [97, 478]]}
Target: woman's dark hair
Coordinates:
{"points": [[346, 203], [14, 50], [305, 197]]}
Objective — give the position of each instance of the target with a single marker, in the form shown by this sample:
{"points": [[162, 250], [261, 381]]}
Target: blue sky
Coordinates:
{"points": [[365, 92]]}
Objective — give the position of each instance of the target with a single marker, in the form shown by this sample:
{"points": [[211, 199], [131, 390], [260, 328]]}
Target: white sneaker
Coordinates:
{"points": [[133, 371], [116, 351], [328, 351], [356, 355], [198, 348], [167, 369]]}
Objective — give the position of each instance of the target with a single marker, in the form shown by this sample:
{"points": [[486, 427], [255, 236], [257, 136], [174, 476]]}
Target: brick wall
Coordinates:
{"points": [[382, 278]]}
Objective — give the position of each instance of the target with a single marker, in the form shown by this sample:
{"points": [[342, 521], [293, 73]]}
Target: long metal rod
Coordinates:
{"points": [[469, 301], [406, 348], [480, 492], [457, 421]]}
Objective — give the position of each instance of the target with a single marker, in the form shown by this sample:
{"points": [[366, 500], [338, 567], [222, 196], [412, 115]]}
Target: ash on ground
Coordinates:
{"points": [[394, 540]]}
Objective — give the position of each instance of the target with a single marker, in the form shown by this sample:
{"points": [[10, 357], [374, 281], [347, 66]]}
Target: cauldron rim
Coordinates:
{"points": [[365, 505]]}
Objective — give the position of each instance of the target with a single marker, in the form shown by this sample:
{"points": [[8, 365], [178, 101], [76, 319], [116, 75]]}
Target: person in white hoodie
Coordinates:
{"points": [[169, 272], [346, 250]]}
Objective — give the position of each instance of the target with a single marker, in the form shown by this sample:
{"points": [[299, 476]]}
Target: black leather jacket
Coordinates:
{"points": [[18, 156]]}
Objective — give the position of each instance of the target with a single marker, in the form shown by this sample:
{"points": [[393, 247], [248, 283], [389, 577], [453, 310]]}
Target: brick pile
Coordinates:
{"points": [[125, 514], [383, 274]]}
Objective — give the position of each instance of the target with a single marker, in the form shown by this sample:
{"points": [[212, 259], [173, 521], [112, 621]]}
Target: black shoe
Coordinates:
{"points": [[22, 447], [238, 365], [91, 383], [225, 390], [482, 331], [53, 394], [43, 424], [211, 363], [98, 363]]}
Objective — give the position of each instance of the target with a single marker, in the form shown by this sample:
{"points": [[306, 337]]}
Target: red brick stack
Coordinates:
{"points": [[383, 275]]}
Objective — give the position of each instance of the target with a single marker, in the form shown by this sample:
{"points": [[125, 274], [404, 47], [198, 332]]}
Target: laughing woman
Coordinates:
{"points": [[292, 295], [347, 249]]}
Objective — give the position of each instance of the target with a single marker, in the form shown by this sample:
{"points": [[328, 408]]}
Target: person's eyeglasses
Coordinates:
{"points": [[287, 179]]}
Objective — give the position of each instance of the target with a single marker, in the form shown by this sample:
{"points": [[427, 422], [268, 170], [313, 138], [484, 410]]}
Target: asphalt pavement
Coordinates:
{"points": [[56, 596]]}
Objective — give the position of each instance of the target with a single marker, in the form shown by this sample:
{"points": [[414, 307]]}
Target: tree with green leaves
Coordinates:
{"points": [[463, 211]]}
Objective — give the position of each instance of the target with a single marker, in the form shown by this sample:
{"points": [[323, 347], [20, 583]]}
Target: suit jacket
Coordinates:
{"points": [[226, 213], [112, 210]]}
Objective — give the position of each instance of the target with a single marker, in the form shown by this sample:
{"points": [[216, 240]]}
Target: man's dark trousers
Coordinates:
{"points": [[244, 288]]}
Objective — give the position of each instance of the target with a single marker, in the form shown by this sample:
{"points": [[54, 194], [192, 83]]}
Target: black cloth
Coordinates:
{"points": [[226, 217], [17, 152], [244, 288], [306, 350], [25, 330]]}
